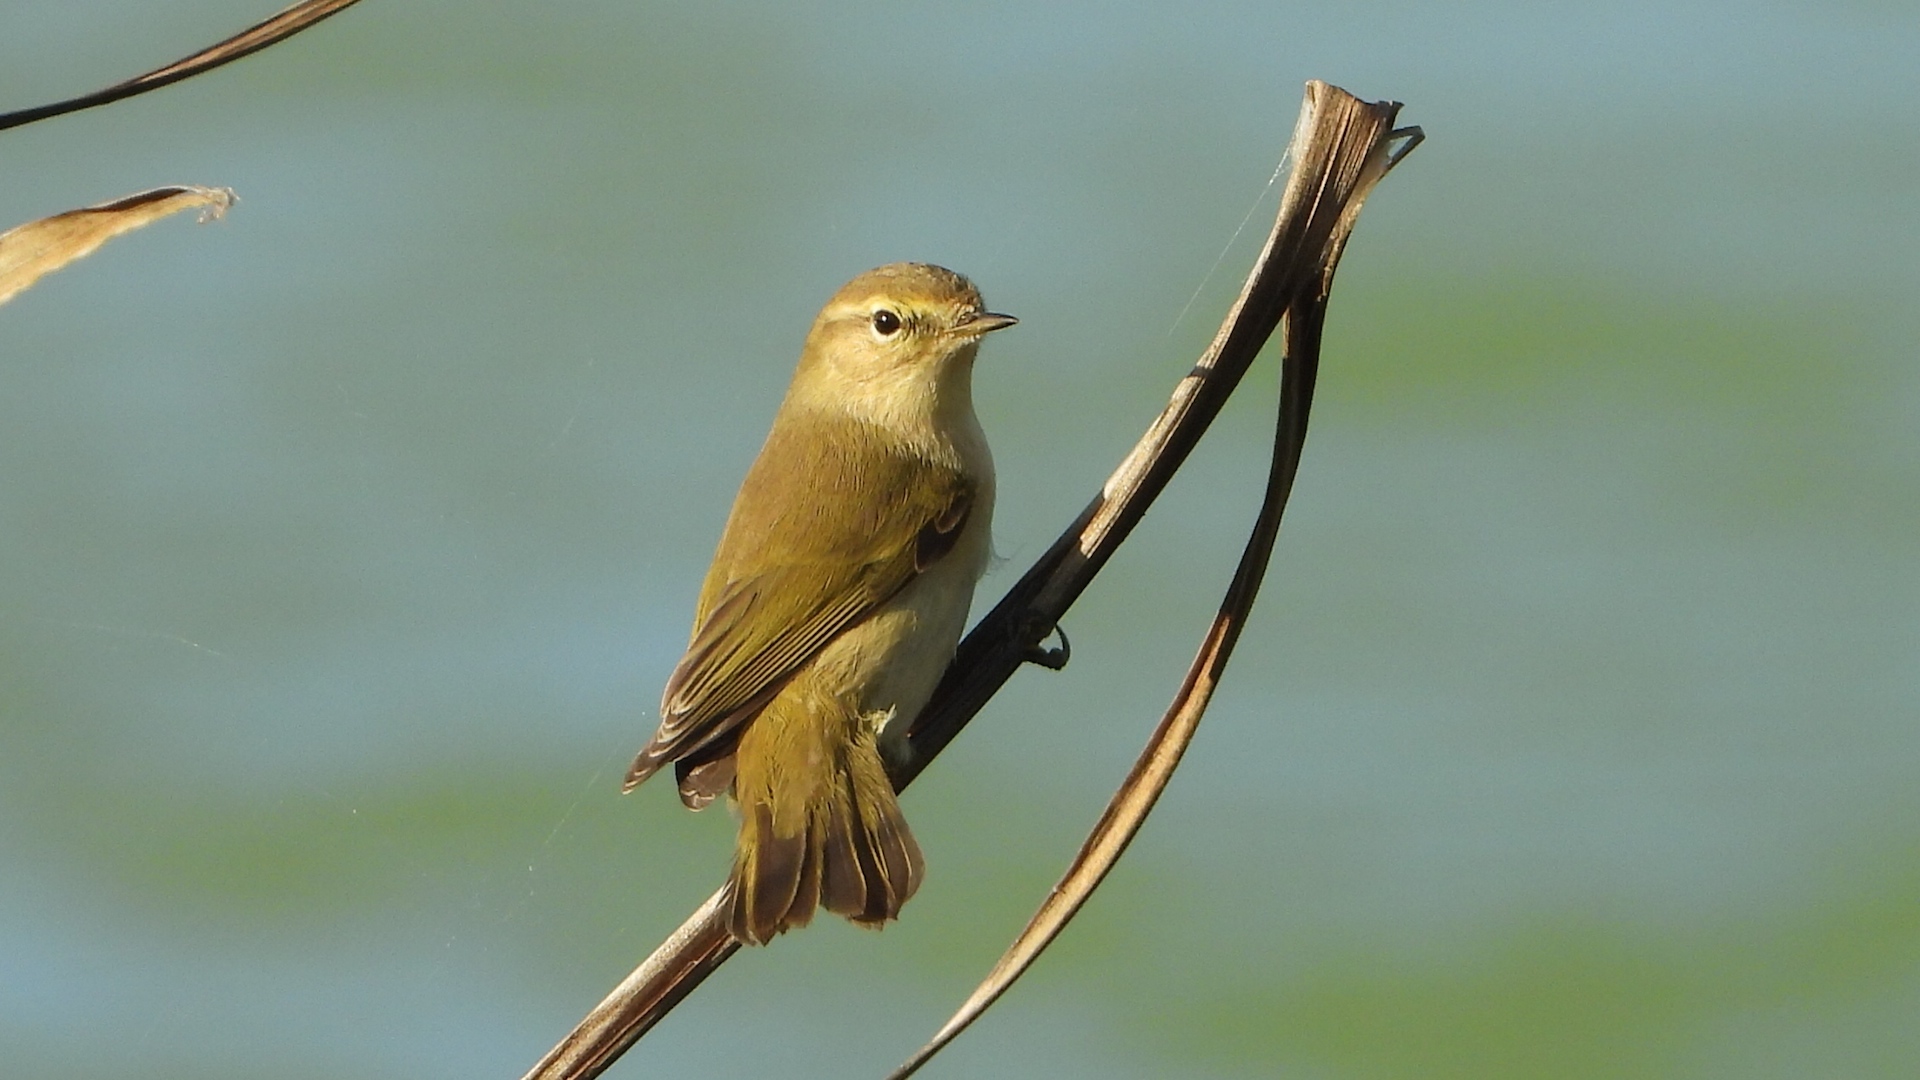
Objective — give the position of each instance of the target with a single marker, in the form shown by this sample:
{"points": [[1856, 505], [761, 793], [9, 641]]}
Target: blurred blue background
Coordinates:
{"points": [[350, 538]]}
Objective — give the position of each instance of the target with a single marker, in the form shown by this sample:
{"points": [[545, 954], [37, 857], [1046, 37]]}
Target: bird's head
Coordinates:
{"points": [[896, 339]]}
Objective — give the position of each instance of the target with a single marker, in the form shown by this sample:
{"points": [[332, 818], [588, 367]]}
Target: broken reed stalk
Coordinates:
{"points": [[270, 31], [1127, 811], [1337, 151], [1148, 778]]}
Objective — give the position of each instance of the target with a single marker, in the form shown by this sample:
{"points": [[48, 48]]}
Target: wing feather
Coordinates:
{"points": [[792, 574]]}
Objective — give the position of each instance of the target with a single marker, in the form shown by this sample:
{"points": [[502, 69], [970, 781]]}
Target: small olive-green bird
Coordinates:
{"points": [[834, 603]]}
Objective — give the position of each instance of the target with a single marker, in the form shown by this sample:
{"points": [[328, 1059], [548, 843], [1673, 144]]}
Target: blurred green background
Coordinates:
{"points": [[349, 539]]}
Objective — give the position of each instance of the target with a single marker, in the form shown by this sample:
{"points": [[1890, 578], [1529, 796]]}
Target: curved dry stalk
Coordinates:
{"points": [[1148, 778], [1338, 150], [270, 31], [1154, 768]]}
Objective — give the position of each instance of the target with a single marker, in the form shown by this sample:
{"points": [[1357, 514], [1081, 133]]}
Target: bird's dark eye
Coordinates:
{"points": [[886, 323]]}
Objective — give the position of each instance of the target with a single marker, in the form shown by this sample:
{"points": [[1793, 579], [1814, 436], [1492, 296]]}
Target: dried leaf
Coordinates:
{"points": [[41, 247]]}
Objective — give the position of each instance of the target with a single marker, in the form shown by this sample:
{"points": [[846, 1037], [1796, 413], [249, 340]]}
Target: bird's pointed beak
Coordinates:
{"points": [[985, 322]]}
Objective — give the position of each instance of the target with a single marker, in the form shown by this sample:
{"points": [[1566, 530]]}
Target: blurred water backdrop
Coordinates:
{"points": [[349, 540]]}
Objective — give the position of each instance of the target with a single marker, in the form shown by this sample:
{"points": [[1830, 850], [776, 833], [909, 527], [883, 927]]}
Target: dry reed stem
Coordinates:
{"points": [[269, 31]]}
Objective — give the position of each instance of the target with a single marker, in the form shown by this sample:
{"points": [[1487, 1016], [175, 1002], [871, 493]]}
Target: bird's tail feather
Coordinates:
{"points": [[834, 838]]}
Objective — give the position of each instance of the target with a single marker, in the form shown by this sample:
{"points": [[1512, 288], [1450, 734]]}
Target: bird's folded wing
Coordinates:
{"points": [[822, 559]]}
